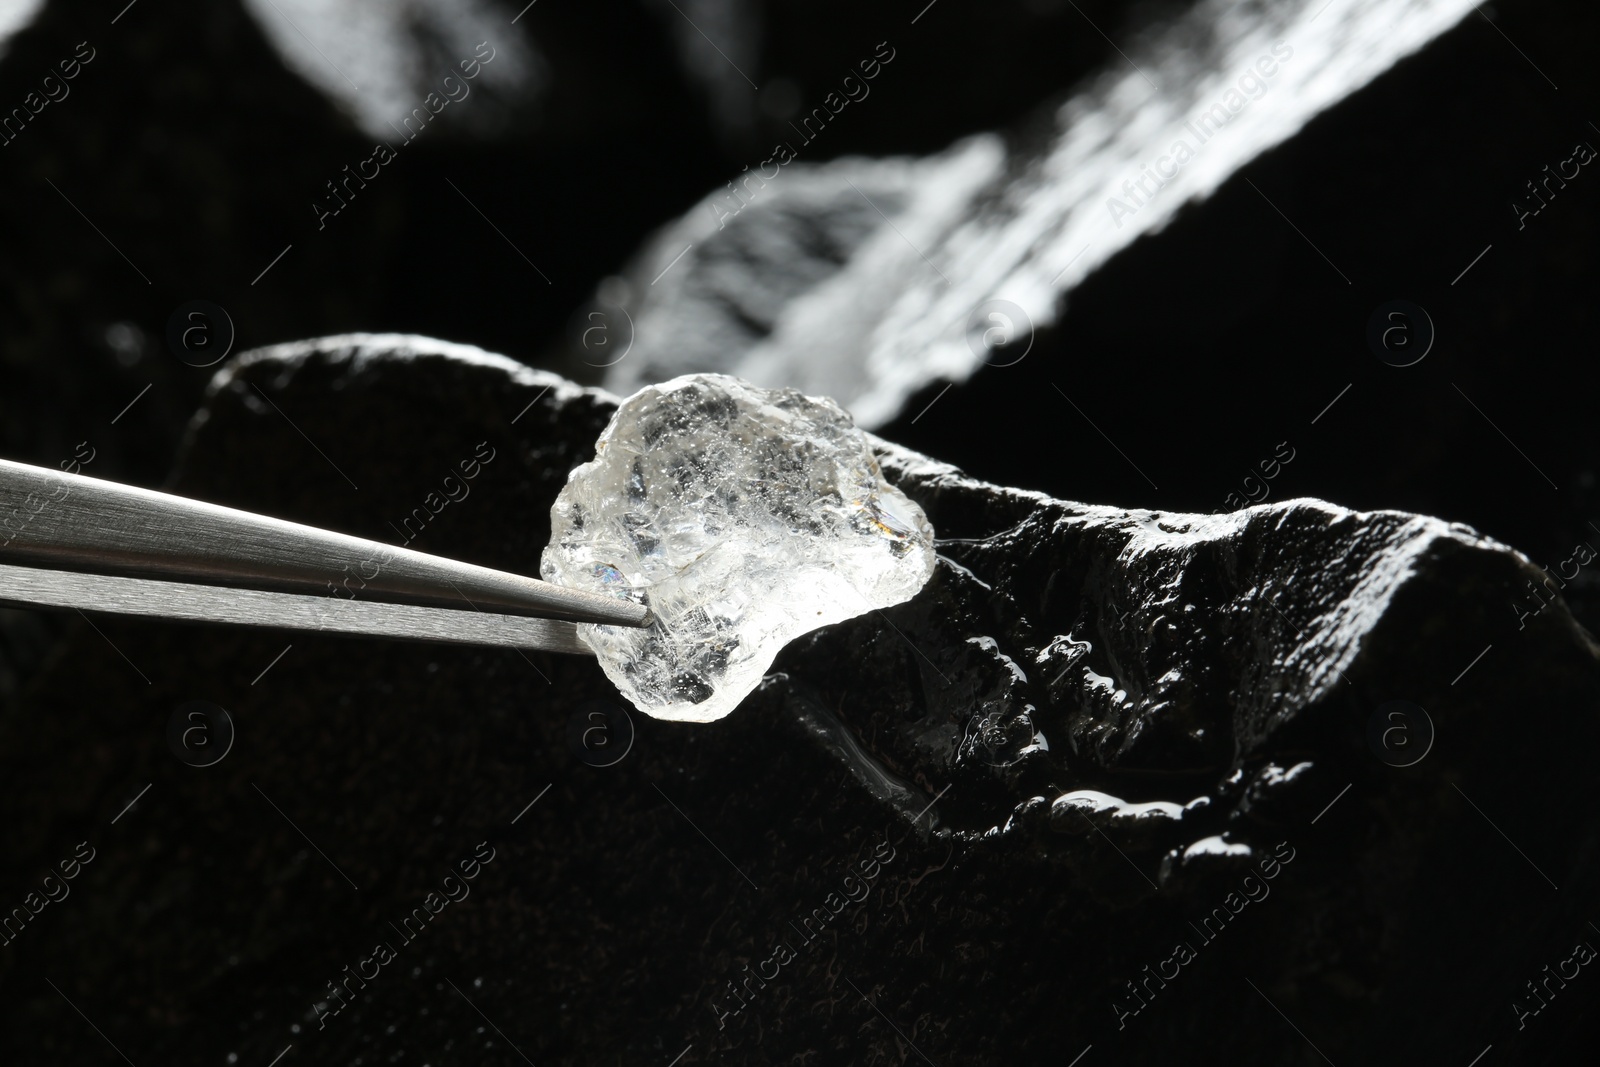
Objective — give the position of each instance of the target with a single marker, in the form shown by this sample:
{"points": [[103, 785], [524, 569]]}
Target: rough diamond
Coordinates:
{"points": [[743, 517]]}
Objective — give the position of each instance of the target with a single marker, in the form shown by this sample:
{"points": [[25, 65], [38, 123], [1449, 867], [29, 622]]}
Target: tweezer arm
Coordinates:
{"points": [[290, 611], [70, 521]]}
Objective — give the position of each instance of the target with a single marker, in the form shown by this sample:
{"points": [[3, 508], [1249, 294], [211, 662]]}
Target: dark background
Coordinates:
{"points": [[1198, 350]]}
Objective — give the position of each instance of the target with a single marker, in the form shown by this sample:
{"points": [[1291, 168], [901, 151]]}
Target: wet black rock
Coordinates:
{"points": [[976, 827]]}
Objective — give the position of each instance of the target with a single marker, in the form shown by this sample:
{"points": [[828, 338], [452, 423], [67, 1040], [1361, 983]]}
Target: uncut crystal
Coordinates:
{"points": [[743, 517]]}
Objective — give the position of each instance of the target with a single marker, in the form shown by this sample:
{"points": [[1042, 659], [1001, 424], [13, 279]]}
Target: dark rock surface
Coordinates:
{"points": [[1216, 676]]}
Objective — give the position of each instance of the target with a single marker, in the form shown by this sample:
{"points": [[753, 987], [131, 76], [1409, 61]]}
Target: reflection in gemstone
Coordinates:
{"points": [[744, 517]]}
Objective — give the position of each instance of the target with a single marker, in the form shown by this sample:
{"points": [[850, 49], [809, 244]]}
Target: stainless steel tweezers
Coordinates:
{"points": [[75, 542]]}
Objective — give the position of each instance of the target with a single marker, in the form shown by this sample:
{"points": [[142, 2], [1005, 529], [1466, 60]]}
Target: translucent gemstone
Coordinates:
{"points": [[743, 517]]}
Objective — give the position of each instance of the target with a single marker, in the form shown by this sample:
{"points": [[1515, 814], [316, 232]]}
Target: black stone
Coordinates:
{"points": [[1228, 664]]}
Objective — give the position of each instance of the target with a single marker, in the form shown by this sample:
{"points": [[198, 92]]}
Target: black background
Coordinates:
{"points": [[1197, 350]]}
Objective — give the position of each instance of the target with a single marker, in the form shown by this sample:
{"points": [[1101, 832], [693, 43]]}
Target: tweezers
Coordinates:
{"points": [[68, 541]]}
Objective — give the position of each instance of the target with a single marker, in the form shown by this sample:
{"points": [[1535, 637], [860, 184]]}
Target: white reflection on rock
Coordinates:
{"points": [[809, 286], [379, 59], [15, 15]]}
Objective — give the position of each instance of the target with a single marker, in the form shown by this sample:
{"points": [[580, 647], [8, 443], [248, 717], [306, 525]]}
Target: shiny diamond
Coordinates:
{"points": [[744, 517]]}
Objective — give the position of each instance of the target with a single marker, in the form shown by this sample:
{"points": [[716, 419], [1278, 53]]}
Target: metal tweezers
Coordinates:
{"points": [[69, 541]]}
